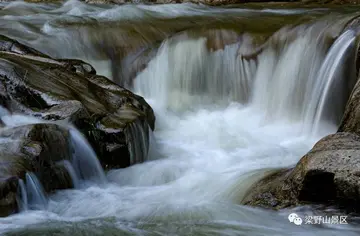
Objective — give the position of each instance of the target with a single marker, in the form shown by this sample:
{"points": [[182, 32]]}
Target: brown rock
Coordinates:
{"points": [[328, 174], [52, 89]]}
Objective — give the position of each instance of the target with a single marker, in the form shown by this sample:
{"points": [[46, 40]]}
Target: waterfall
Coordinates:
{"points": [[71, 171], [36, 195], [238, 93], [153, 147], [21, 197], [184, 73], [84, 159], [289, 79], [137, 139], [328, 76]]}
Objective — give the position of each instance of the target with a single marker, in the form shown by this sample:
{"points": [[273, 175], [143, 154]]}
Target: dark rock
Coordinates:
{"points": [[328, 174], [273, 191], [32, 148], [10, 45], [350, 121], [70, 90]]}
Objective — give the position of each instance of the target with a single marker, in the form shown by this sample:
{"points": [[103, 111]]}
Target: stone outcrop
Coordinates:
{"points": [[35, 84], [328, 174], [115, 121], [34, 148]]}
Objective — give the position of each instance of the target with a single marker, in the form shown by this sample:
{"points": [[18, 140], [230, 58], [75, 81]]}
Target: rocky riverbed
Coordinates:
{"points": [[256, 111]]}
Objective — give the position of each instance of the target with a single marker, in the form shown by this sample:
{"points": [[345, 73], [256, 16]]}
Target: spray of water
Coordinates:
{"points": [[37, 199], [288, 83], [84, 159], [22, 199], [223, 121], [71, 171]]}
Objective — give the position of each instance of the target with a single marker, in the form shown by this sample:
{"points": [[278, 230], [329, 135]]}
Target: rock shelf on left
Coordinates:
{"points": [[63, 92]]}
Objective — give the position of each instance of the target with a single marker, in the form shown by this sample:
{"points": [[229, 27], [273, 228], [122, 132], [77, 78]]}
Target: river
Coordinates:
{"points": [[223, 118]]}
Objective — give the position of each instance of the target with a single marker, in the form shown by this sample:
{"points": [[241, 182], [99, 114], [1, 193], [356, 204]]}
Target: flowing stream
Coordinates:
{"points": [[237, 93]]}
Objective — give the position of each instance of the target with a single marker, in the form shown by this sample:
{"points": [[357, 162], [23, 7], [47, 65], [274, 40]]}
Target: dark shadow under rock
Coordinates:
{"points": [[328, 174], [32, 148], [69, 90]]}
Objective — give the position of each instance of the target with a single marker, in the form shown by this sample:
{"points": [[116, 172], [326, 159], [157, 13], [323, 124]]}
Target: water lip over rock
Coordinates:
{"points": [[84, 159], [281, 88], [327, 173], [329, 71], [22, 198], [71, 171], [209, 156], [69, 92], [37, 199]]}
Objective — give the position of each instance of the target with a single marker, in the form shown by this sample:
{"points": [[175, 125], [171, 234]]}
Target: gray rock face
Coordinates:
{"points": [[115, 121], [49, 89], [328, 174], [32, 148]]}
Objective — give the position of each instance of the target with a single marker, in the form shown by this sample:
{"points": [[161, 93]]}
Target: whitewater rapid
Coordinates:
{"points": [[222, 122]]}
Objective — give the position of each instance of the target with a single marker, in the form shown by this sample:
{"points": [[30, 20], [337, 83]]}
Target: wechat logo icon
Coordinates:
{"points": [[294, 218]]}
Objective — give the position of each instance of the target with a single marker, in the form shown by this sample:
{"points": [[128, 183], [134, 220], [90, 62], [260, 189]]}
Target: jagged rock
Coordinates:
{"points": [[328, 174], [32, 148], [70, 90]]}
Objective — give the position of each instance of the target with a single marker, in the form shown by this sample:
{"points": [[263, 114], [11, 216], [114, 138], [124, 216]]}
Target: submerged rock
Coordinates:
{"points": [[31, 148], [70, 90], [328, 174]]}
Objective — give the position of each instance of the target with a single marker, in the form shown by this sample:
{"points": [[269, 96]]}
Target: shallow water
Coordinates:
{"points": [[222, 122]]}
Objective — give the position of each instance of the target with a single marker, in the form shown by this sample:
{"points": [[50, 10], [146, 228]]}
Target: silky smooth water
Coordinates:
{"points": [[223, 120]]}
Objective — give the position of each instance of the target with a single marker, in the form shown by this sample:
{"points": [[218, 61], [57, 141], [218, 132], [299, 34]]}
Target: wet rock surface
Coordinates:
{"points": [[329, 174], [70, 90], [32, 148], [115, 121]]}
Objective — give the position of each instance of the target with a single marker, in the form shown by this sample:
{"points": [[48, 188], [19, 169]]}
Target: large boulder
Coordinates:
{"points": [[328, 174], [112, 118], [34, 148]]}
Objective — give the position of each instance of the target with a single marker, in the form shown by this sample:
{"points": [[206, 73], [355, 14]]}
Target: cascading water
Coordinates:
{"points": [[198, 77], [330, 78], [289, 83], [71, 171], [22, 199], [137, 138], [225, 117], [37, 199], [84, 159]]}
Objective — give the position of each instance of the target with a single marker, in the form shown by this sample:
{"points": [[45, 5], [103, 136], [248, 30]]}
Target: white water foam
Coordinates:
{"points": [[36, 196], [220, 127], [84, 159]]}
